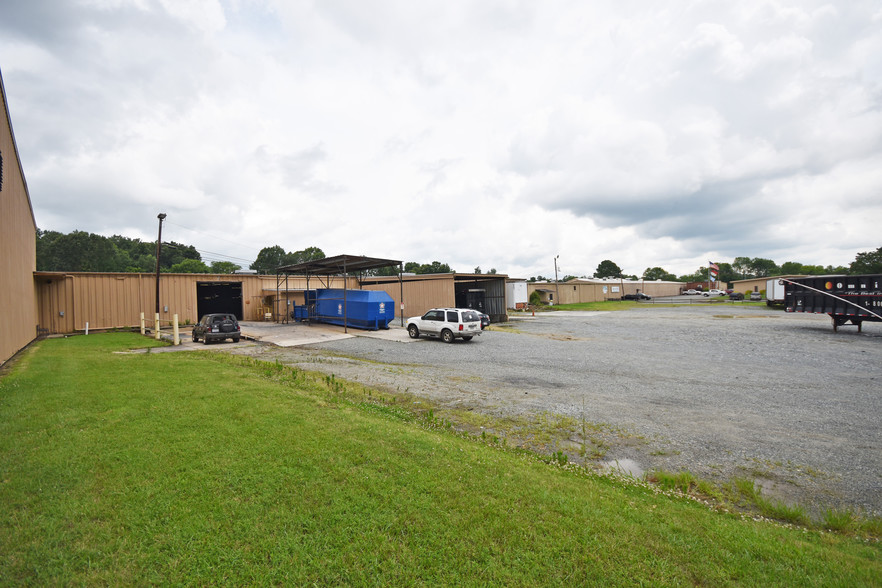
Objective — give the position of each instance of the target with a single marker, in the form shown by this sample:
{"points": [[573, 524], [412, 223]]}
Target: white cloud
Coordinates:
{"points": [[494, 133]]}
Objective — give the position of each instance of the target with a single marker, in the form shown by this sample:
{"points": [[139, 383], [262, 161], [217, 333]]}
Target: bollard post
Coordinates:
{"points": [[143, 324], [177, 340], [156, 331]]}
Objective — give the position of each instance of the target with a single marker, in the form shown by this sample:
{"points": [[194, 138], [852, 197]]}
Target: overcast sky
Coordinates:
{"points": [[491, 133]]}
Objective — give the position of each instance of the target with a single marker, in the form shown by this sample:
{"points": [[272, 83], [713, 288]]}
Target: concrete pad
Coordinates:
{"points": [[294, 334]]}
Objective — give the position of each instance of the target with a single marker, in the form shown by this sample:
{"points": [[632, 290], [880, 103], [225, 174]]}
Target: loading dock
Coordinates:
{"points": [[482, 292], [216, 297]]}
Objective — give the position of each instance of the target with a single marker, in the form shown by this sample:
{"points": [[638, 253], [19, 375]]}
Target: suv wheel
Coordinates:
{"points": [[413, 331], [447, 336]]}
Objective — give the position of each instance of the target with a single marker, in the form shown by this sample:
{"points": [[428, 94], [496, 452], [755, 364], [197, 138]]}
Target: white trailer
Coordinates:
{"points": [[774, 292]]}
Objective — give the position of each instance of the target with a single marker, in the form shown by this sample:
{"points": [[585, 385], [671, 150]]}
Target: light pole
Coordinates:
{"points": [[161, 217], [556, 289]]}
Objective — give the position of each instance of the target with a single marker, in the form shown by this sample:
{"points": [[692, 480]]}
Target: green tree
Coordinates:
{"points": [[190, 266], [727, 274], [742, 268], [269, 260], [867, 262], [477, 270], [657, 273], [792, 268], [390, 270], [492, 271], [607, 269], [436, 267], [763, 268], [304, 255], [224, 267], [173, 253]]}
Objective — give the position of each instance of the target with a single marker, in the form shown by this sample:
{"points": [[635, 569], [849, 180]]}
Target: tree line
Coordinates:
{"points": [[80, 251], [742, 268]]}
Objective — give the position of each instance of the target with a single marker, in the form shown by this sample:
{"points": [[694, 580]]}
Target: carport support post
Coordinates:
{"points": [[345, 308], [156, 330], [143, 324], [177, 339], [401, 291]]}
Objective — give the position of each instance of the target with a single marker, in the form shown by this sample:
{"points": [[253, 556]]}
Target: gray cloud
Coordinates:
{"points": [[650, 133]]}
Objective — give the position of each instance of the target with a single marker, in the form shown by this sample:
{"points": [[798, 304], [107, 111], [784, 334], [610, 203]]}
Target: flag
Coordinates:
{"points": [[714, 266], [712, 270]]}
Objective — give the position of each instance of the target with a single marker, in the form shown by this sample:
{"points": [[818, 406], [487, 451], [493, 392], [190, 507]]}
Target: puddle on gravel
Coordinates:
{"points": [[629, 467]]}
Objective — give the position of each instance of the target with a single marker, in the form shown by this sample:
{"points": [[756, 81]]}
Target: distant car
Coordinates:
{"points": [[637, 296], [447, 323], [755, 296], [714, 292], [217, 327], [691, 292], [485, 319], [736, 296]]}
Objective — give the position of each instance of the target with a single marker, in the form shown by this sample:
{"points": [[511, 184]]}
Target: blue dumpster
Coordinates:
{"points": [[362, 309], [299, 313]]}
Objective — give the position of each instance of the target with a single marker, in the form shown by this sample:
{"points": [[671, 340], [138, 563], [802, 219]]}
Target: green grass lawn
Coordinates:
{"points": [[631, 304], [203, 468]]}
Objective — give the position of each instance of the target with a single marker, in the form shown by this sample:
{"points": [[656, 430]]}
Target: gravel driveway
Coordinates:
{"points": [[719, 390]]}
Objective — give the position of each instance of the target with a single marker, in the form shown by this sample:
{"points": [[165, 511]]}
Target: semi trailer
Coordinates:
{"points": [[847, 299]]}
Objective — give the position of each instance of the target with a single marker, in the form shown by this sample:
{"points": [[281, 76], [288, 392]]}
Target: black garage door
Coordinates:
{"points": [[212, 297]]}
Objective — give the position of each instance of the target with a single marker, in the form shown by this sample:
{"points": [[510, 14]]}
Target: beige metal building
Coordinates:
{"points": [[758, 284], [484, 292], [71, 302], [580, 290], [18, 244]]}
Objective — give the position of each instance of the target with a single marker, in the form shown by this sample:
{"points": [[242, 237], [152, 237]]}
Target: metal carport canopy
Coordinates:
{"points": [[341, 265]]}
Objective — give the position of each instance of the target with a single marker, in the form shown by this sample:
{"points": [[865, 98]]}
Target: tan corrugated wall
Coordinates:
{"points": [[419, 294], [113, 300], [18, 249], [574, 293]]}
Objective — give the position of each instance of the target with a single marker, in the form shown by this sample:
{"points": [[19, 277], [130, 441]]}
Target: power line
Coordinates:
{"points": [[212, 236]]}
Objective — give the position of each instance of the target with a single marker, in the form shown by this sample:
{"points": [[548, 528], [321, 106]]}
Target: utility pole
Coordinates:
{"points": [[556, 289], [161, 217]]}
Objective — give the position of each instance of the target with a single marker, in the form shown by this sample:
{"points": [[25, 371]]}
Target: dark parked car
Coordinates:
{"points": [[736, 296], [637, 296], [485, 319], [217, 327]]}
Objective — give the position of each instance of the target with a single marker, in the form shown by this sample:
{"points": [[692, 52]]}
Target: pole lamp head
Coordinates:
{"points": [[161, 216]]}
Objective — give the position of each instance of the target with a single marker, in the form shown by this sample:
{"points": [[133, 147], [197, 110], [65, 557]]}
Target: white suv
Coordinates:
{"points": [[447, 323]]}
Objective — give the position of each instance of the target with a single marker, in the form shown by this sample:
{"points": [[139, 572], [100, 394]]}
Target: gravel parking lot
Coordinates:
{"points": [[720, 390]]}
